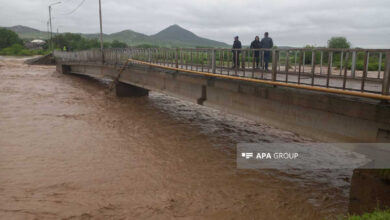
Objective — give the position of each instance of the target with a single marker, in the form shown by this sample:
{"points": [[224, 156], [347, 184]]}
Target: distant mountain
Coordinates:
{"points": [[172, 36], [29, 33], [128, 36], [176, 35], [23, 29]]}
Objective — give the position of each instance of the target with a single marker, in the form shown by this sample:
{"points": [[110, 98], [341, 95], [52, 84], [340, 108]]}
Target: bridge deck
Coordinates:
{"points": [[335, 81], [336, 68], [260, 76]]}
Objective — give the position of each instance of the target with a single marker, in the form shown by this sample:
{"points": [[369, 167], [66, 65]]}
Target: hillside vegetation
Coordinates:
{"points": [[173, 36], [11, 44]]}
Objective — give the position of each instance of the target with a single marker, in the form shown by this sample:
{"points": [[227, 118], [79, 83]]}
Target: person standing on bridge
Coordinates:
{"points": [[266, 43], [236, 52], [256, 45]]}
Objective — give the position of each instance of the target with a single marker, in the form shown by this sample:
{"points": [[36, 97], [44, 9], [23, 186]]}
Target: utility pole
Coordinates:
{"points": [[58, 29], [51, 27], [51, 33], [48, 29], [101, 30]]}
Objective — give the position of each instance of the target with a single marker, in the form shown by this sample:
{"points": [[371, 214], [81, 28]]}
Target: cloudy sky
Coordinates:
{"points": [[290, 22]]}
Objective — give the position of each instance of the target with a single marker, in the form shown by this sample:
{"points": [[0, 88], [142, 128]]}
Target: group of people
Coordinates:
{"points": [[265, 43]]}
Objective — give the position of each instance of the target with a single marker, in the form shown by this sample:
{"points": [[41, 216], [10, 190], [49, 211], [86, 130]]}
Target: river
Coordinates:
{"points": [[71, 150]]}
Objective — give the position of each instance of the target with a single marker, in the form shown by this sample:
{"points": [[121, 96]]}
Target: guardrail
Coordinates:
{"points": [[362, 70]]}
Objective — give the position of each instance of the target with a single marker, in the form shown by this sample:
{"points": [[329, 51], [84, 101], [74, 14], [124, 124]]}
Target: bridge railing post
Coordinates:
{"points": [[313, 66], [386, 76], [353, 65], [177, 57], [213, 61], [274, 64], [149, 56]]}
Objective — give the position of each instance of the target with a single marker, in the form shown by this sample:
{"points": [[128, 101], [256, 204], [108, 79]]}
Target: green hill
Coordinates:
{"points": [[176, 35], [130, 37], [29, 33], [173, 36]]}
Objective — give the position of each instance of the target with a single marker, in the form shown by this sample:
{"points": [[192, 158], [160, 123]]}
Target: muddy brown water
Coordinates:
{"points": [[68, 150]]}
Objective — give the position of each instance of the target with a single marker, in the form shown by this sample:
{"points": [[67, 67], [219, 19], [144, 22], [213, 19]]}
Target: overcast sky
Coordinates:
{"points": [[290, 22]]}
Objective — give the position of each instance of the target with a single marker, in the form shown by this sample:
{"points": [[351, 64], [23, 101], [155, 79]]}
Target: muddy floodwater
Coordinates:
{"points": [[70, 150]]}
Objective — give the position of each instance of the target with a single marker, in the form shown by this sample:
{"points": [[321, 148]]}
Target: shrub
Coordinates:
{"points": [[19, 50], [15, 49]]}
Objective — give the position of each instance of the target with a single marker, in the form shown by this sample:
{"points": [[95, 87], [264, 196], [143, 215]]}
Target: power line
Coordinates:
{"points": [[78, 6]]}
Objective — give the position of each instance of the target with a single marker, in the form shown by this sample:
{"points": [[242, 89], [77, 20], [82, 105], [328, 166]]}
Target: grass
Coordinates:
{"points": [[375, 215], [19, 50]]}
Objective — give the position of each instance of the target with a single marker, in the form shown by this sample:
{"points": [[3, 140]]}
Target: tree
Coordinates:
{"points": [[338, 42], [118, 44], [8, 38], [146, 46], [74, 42]]}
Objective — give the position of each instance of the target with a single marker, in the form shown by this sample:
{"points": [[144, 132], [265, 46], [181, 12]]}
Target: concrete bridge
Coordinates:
{"points": [[327, 94]]}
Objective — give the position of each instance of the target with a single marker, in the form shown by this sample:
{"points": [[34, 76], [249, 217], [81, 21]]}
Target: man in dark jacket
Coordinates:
{"points": [[256, 45], [236, 50], [266, 43]]}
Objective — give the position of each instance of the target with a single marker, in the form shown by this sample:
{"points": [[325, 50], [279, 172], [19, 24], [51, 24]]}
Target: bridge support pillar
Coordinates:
{"points": [[61, 68], [369, 190], [127, 90]]}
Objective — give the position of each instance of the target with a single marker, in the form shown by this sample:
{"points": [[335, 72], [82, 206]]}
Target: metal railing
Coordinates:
{"points": [[362, 70]]}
